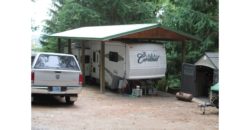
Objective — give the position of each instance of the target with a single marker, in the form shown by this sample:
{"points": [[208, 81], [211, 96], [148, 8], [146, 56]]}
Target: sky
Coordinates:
{"points": [[40, 10], [39, 13]]}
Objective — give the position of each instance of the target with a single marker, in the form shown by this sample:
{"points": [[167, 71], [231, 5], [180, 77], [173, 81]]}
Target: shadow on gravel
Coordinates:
{"points": [[50, 101], [211, 113]]}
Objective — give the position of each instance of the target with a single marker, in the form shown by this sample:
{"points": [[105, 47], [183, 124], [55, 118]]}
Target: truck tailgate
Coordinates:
{"points": [[56, 78]]}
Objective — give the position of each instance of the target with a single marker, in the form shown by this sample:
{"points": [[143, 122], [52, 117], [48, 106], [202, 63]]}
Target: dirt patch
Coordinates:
{"points": [[113, 111]]}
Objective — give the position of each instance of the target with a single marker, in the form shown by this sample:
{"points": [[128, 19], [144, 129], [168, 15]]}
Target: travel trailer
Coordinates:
{"points": [[126, 64], [76, 50]]}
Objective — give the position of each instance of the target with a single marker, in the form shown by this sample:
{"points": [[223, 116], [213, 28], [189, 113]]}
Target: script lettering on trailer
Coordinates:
{"points": [[143, 57]]}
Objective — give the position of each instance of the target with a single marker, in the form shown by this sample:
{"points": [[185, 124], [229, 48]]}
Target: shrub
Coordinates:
{"points": [[162, 84], [174, 82]]}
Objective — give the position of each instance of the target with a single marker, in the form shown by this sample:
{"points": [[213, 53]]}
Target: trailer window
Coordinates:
{"points": [[113, 56], [97, 57], [87, 59], [93, 56]]}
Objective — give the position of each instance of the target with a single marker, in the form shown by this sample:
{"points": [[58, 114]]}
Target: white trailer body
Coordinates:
{"points": [[87, 65], [145, 61], [77, 51], [130, 61]]}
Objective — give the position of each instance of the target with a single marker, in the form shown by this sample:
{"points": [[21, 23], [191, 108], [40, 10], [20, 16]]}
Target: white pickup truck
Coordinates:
{"points": [[56, 74]]}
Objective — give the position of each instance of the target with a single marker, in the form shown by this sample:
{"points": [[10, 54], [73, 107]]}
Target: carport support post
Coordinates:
{"points": [[102, 68], [59, 45], [82, 59], [183, 52], [69, 46]]}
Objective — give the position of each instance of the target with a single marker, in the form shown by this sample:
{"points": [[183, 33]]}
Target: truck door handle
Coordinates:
{"points": [[58, 72]]}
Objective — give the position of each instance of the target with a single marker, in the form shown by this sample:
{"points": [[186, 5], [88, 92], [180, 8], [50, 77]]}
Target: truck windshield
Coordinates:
{"points": [[46, 61]]}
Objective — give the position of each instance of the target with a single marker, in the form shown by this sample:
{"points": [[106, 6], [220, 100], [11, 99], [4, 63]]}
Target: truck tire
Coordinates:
{"points": [[68, 101]]}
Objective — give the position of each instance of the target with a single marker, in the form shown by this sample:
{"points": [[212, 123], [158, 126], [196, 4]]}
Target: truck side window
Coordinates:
{"points": [[32, 59], [113, 56]]}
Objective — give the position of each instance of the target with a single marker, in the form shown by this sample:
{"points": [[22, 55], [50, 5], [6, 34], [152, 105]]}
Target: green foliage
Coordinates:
{"points": [[35, 47], [162, 85], [174, 82], [196, 17], [70, 14], [171, 82]]}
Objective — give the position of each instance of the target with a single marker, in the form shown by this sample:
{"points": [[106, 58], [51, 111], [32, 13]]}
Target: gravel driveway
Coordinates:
{"points": [[112, 111]]}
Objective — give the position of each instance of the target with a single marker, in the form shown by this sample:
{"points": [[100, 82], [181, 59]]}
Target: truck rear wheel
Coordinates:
{"points": [[68, 101]]}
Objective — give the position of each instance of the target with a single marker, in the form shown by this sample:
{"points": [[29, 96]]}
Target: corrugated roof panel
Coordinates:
{"points": [[103, 32], [212, 54]]}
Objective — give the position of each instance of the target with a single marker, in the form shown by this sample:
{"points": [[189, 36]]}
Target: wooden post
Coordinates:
{"points": [[183, 51], [82, 59], [69, 46], [102, 68], [59, 45]]}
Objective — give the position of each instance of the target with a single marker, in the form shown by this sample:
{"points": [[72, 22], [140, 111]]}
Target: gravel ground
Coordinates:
{"points": [[112, 111]]}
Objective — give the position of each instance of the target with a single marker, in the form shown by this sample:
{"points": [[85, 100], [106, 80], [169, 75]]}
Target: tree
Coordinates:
{"points": [[70, 14], [196, 17]]}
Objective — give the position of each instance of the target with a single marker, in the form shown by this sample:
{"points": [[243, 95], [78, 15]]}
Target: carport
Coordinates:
{"points": [[132, 32]]}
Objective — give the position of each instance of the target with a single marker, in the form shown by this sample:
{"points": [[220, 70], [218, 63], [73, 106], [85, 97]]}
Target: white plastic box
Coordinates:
{"points": [[137, 92]]}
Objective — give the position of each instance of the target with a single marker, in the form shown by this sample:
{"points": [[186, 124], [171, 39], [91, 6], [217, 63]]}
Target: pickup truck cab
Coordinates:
{"points": [[56, 74]]}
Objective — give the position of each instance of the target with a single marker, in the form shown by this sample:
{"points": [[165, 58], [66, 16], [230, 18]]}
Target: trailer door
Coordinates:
{"points": [[95, 64], [188, 78]]}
